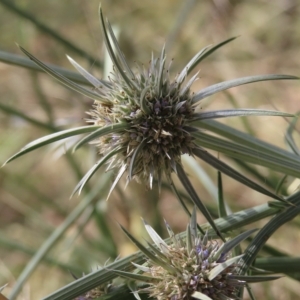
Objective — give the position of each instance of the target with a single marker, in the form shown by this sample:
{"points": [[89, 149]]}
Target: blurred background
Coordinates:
{"points": [[35, 189]]}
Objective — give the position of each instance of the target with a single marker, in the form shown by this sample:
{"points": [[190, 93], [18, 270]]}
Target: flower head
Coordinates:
{"points": [[155, 111], [143, 122], [146, 120], [193, 267]]}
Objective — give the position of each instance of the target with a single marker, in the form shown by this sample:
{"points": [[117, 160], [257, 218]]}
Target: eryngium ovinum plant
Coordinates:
{"points": [[143, 122], [194, 267]]}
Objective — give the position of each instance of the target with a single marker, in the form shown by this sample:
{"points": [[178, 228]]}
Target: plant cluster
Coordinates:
{"points": [[142, 122]]}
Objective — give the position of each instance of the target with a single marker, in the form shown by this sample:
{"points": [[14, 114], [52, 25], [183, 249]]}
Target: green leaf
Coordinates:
{"points": [[111, 52], [209, 52], [237, 113], [24, 62], [52, 138], [190, 66], [201, 55], [120, 54], [65, 81], [289, 165], [194, 196], [89, 77], [245, 139], [277, 264], [213, 89], [224, 168], [122, 59], [229, 245], [221, 202], [268, 230]]}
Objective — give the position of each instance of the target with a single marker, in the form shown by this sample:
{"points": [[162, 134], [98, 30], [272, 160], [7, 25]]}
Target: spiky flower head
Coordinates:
{"points": [[154, 112], [146, 120], [193, 267], [143, 122]]}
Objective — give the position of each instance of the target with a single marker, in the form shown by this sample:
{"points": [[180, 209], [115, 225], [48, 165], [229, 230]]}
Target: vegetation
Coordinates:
{"points": [[152, 128]]}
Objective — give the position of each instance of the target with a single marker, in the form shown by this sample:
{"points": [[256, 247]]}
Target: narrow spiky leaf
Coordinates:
{"points": [[225, 85], [224, 168], [190, 190], [51, 138], [287, 163], [111, 52], [190, 66], [89, 77], [65, 81], [229, 245], [221, 202], [210, 51], [121, 55], [201, 55], [237, 113]]}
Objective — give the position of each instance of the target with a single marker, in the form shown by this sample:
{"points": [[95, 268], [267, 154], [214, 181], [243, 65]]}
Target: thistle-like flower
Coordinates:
{"points": [[193, 267], [143, 122]]}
